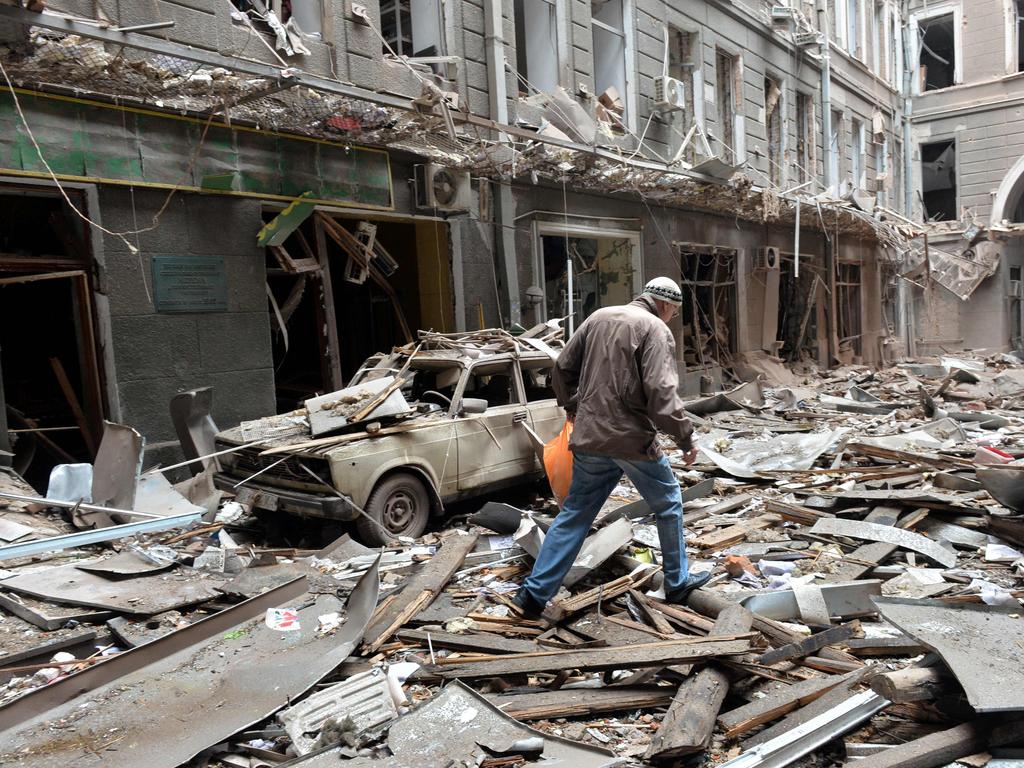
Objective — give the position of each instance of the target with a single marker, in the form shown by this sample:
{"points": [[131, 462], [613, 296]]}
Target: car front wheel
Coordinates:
{"points": [[400, 505]]}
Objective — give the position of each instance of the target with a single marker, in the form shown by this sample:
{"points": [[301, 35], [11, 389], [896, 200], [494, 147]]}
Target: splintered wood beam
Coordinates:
{"points": [[733, 534], [420, 590], [913, 684], [709, 603], [475, 642], [546, 705], [811, 644], [658, 654], [738, 721], [557, 611], [941, 748], [690, 720]]}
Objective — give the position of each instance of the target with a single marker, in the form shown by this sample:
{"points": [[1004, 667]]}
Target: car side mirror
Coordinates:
{"points": [[472, 406]]}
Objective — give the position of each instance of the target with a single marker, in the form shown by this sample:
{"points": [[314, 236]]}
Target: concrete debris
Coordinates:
{"points": [[808, 504]]}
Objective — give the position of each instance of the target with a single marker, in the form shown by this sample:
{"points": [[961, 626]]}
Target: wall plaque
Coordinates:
{"points": [[190, 284]]}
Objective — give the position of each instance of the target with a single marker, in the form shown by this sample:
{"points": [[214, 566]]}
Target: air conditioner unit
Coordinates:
{"points": [[441, 189], [806, 38], [767, 259], [669, 94], [782, 15], [1014, 292]]}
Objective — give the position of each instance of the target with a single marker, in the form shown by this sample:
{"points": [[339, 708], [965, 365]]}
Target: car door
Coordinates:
{"points": [[492, 446]]}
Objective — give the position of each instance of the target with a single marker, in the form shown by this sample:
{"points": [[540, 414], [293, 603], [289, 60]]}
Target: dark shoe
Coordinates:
{"points": [[526, 603], [680, 595]]}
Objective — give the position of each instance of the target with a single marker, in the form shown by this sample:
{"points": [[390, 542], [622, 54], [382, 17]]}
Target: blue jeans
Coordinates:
{"points": [[593, 480]]}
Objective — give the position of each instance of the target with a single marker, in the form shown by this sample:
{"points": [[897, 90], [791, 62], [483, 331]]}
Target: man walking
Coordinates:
{"points": [[616, 378]]}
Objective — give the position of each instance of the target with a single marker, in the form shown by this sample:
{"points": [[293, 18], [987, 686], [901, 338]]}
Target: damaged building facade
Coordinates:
{"points": [[275, 198], [965, 173]]}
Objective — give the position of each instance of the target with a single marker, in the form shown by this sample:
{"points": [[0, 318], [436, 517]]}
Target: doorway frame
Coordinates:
{"points": [[569, 229]]}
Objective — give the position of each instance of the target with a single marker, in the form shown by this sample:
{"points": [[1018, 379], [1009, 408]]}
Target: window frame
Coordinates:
{"points": [[546, 228], [556, 31], [629, 119], [927, 14]]}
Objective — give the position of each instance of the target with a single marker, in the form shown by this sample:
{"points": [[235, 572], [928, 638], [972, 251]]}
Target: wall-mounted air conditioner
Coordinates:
{"points": [[442, 189], [767, 259], [669, 94]]}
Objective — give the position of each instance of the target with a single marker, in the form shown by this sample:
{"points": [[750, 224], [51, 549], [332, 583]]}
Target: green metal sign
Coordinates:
{"points": [[92, 141], [190, 284]]}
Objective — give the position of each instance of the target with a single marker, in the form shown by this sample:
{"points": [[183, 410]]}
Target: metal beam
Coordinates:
{"points": [[95, 536]]}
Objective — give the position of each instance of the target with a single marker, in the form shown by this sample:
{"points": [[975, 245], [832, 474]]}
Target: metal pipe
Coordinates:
{"points": [[826, 94], [144, 27], [97, 535], [497, 91], [76, 504]]}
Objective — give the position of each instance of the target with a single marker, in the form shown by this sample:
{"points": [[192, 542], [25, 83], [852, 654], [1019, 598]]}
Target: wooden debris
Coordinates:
{"points": [[657, 654], [913, 684], [557, 611], [811, 644], [690, 721], [576, 703], [477, 642], [420, 590], [760, 711]]}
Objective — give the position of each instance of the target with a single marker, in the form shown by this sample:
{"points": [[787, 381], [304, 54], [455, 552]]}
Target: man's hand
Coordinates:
{"points": [[690, 456], [570, 417]]}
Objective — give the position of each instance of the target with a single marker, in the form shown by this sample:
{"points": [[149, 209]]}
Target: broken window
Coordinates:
{"points": [[725, 72], [1015, 295], [857, 158], [882, 181], [805, 137], [938, 181], [608, 29], [289, 26], [836, 146], [832, 19], [709, 303], [853, 27], [937, 52], [1018, 8], [848, 294], [683, 52], [536, 45], [492, 382], [773, 128], [536, 380], [413, 28], [877, 36], [603, 274]]}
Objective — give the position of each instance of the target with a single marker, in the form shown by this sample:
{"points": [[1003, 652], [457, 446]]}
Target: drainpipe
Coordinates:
{"points": [[499, 112], [826, 93], [906, 296]]}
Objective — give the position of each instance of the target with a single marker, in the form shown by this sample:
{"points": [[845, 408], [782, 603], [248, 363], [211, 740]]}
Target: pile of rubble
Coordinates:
{"points": [[865, 534]]}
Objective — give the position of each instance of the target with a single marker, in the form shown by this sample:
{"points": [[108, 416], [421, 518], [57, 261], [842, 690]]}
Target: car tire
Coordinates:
{"points": [[400, 504]]}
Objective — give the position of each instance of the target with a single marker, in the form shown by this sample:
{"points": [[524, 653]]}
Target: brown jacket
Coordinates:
{"points": [[618, 375]]}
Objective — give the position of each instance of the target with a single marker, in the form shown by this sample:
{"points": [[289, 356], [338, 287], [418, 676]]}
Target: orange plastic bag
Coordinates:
{"points": [[558, 463]]}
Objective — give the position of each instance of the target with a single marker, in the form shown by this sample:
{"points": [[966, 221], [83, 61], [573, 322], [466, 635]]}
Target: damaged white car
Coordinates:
{"points": [[461, 434]]}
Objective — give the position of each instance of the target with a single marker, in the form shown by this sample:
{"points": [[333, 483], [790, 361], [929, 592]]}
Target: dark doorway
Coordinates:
{"points": [[709, 304], [330, 312], [52, 392], [798, 316], [938, 181]]}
